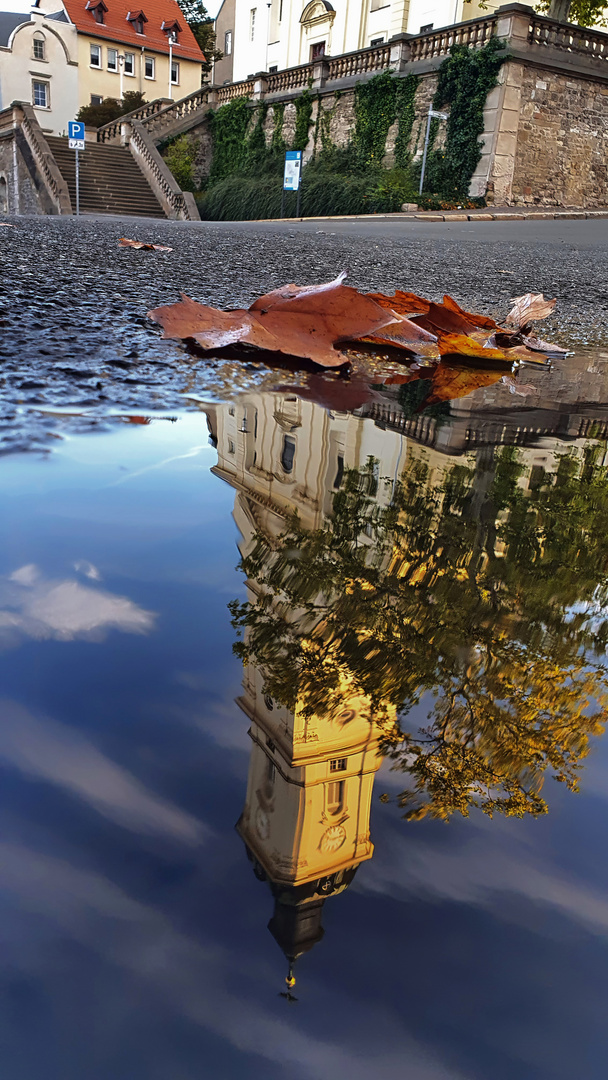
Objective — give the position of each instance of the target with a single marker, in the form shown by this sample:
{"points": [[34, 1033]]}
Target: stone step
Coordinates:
{"points": [[110, 180]]}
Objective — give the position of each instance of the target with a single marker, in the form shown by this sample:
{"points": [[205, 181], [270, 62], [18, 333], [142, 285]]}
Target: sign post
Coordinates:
{"points": [[291, 177], [436, 116], [76, 142]]}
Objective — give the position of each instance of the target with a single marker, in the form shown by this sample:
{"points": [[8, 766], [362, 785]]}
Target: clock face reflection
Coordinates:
{"points": [[333, 838], [262, 823]]}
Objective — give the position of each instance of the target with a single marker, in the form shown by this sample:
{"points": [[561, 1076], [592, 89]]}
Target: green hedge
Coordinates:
{"points": [[323, 193]]}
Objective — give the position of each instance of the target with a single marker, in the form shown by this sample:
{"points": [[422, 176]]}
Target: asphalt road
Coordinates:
{"points": [[73, 327]]}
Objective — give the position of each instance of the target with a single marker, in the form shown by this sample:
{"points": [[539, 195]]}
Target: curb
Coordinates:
{"points": [[430, 215]]}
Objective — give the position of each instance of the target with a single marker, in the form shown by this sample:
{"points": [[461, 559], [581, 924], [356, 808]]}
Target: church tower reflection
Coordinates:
{"points": [[305, 822]]}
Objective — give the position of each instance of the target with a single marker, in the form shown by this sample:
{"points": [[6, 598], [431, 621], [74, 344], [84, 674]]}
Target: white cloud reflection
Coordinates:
{"points": [[54, 752], [37, 607]]}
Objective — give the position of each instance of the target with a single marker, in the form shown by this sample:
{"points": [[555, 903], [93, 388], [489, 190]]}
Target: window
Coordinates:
{"points": [[269, 703], [228, 43], [149, 67], [230, 446], [288, 453], [138, 25], [335, 796], [377, 41], [96, 56], [271, 772], [339, 472], [38, 48], [174, 72], [272, 70], [337, 765], [426, 28], [317, 51], [96, 99], [129, 63], [40, 94], [112, 59], [252, 15]]}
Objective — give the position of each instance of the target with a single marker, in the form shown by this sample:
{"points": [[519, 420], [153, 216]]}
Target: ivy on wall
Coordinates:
{"points": [[405, 112], [466, 77], [352, 179]]}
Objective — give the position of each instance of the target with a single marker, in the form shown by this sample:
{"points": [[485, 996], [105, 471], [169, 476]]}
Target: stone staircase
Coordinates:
{"points": [[111, 181]]}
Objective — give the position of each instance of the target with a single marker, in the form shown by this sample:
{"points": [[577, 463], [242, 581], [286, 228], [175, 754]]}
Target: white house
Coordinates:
{"points": [[258, 36]]}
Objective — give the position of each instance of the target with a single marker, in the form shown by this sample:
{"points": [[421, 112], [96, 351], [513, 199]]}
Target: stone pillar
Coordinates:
{"points": [[212, 97], [400, 51], [320, 71], [260, 86]]}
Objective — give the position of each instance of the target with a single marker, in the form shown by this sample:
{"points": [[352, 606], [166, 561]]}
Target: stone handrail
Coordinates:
{"points": [[234, 90], [111, 132], [289, 79], [57, 191], [174, 201], [474, 34], [546, 33], [376, 58], [175, 110]]}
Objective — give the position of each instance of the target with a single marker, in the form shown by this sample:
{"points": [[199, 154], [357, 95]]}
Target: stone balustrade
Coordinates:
{"points": [[546, 34], [111, 132]]}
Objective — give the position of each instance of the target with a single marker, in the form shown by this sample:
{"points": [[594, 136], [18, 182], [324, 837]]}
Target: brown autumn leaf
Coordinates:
{"points": [[528, 308], [407, 335], [484, 322], [537, 345], [440, 318], [463, 345], [6, 225], [139, 245], [402, 303], [298, 322]]}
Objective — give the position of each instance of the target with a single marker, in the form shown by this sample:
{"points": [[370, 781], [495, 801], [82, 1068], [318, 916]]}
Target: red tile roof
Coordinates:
{"points": [[117, 28]]}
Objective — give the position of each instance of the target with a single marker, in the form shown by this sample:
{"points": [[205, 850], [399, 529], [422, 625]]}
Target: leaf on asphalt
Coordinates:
{"points": [[280, 297], [462, 345], [484, 322], [6, 225], [302, 323], [139, 245], [405, 334], [402, 303], [528, 308]]}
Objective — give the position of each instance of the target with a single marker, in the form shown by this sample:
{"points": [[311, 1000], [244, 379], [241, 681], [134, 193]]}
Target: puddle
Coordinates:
{"points": [[448, 566]]}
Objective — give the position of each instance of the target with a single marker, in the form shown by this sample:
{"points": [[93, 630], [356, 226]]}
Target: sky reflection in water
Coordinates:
{"points": [[134, 932]]}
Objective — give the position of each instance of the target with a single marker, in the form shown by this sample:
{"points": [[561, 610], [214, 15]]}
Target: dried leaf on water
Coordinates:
{"points": [[139, 245], [453, 381]]}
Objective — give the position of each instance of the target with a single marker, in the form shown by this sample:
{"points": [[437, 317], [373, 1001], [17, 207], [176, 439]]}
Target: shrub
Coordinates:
{"points": [[180, 157]]}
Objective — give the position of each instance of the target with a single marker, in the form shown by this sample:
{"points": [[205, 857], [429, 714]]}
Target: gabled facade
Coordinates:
{"points": [[77, 52], [285, 33]]}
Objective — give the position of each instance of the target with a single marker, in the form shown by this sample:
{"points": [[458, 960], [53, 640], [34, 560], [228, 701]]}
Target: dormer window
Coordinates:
{"points": [[137, 20], [172, 29], [97, 9]]}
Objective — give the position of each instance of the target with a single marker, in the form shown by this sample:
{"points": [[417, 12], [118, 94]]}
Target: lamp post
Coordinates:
{"points": [[172, 38], [121, 69]]}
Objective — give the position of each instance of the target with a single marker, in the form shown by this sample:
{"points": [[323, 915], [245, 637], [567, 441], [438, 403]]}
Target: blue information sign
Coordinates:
{"points": [[293, 164]]}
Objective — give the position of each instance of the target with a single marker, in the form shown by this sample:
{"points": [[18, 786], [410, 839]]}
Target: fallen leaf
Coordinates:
{"points": [[403, 303], [305, 323], [537, 345], [528, 308], [139, 245], [483, 321], [6, 225]]}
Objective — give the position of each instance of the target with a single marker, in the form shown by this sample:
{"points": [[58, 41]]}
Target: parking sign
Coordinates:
{"points": [[76, 135]]}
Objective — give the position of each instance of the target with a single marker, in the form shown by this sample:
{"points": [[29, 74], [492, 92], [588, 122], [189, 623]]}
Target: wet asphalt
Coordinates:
{"points": [[74, 333]]}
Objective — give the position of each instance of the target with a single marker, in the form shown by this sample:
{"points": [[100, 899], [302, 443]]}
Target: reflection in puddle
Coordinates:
{"points": [[426, 587]]}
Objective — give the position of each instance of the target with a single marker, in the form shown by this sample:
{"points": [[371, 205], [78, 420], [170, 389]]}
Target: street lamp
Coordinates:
{"points": [[172, 39], [121, 69]]}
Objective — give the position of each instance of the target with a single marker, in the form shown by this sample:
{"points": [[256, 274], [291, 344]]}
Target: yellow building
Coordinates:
{"points": [[78, 52]]}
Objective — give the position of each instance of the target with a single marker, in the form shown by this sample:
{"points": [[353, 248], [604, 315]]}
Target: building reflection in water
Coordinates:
{"points": [[306, 819]]}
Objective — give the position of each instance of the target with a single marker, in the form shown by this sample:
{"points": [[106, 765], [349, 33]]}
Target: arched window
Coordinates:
{"points": [[39, 51], [334, 797], [3, 195]]}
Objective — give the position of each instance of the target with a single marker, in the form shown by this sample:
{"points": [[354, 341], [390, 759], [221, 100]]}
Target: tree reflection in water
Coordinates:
{"points": [[479, 594]]}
